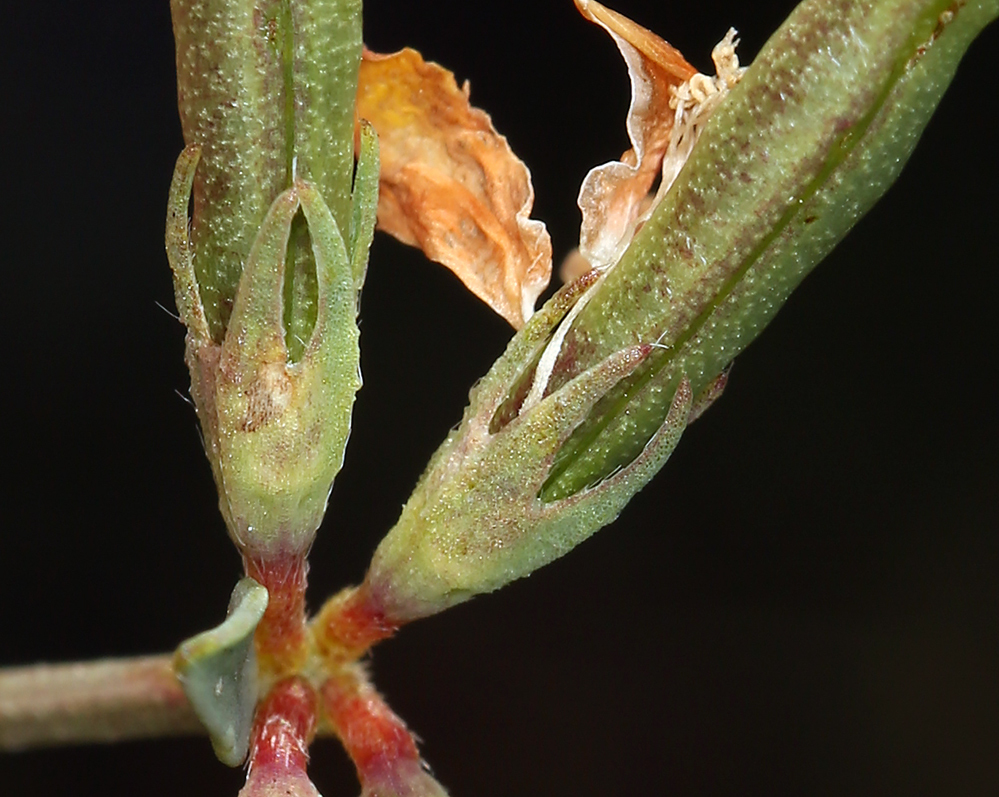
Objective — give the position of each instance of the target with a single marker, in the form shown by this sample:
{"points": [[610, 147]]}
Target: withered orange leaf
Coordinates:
{"points": [[450, 184], [611, 194]]}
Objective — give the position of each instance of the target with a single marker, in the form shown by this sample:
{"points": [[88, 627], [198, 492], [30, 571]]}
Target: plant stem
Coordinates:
{"points": [[281, 637], [378, 742], [350, 623], [99, 701]]}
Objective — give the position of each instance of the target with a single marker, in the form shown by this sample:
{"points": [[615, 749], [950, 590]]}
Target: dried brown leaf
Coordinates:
{"points": [[450, 184]]}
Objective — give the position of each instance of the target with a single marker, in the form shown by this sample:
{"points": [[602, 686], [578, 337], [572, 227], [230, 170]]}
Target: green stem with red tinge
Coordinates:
{"points": [[374, 737]]}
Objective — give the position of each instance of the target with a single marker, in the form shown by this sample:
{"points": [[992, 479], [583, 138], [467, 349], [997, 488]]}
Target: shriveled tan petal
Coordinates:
{"points": [[450, 185], [611, 196]]}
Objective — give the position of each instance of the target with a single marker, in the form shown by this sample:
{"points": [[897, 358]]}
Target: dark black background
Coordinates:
{"points": [[803, 602]]}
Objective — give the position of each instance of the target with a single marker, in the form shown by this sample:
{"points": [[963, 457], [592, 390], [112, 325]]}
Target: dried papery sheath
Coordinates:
{"points": [[664, 121], [670, 101], [450, 184]]}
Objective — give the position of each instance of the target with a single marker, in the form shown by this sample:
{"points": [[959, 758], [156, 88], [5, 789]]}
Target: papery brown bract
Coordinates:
{"points": [[611, 195], [450, 184], [669, 102]]}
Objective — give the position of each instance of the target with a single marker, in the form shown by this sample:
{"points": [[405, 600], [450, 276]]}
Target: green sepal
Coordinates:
{"points": [[364, 211], [255, 335], [218, 671], [476, 520], [275, 432], [178, 244]]}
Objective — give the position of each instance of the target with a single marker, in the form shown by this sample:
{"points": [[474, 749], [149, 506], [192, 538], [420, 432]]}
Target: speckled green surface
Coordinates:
{"points": [[268, 277], [475, 522], [266, 90], [817, 130]]}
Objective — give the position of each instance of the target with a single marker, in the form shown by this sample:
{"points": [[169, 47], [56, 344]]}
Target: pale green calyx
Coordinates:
{"points": [[218, 670], [275, 430], [269, 258], [475, 521]]}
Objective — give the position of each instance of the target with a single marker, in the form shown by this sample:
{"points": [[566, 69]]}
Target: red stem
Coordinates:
{"points": [[350, 623], [284, 727], [376, 739], [281, 636]]}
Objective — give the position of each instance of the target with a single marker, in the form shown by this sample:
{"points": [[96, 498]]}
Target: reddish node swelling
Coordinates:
{"points": [[350, 623], [375, 738], [381, 747], [281, 638]]}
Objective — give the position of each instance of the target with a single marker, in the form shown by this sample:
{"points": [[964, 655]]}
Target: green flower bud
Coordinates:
{"points": [[275, 430], [268, 271]]}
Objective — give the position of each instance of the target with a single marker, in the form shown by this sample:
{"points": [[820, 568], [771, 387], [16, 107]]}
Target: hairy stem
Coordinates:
{"points": [[99, 701]]}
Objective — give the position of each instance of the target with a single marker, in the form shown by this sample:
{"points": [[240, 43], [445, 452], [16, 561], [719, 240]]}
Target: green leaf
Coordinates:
{"points": [[218, 671]]}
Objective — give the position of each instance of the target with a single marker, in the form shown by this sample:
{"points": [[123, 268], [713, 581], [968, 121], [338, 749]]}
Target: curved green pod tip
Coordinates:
{"points": [[365, 202]]}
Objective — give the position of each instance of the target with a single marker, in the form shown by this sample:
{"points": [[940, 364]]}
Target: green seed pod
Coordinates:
{"points": [[571, 422], [816, 131], [278, 106], [267, 271]]}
